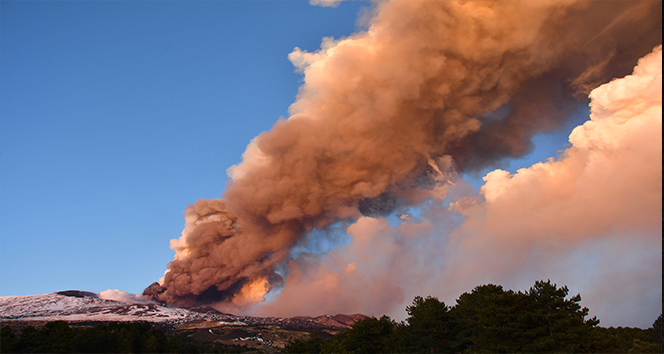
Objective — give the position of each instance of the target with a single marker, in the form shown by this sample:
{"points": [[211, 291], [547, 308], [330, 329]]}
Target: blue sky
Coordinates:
{"points": [[116, 115]]}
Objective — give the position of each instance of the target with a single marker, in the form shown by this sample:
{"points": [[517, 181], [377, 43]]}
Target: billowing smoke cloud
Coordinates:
{"points": [[591, 219], [386, 116]]}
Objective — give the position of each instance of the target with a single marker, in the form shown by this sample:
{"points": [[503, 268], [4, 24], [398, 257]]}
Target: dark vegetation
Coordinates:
{"points": [[486, 320], [490, 320], [114, 337]]}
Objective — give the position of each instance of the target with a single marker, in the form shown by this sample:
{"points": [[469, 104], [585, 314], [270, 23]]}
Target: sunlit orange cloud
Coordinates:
{"points": [[383, 121], [590, 219]]}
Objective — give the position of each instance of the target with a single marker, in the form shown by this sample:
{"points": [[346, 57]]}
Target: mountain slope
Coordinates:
{"points": [[74, 305]]}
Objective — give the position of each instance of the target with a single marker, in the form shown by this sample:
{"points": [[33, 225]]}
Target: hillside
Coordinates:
{"points": [[80, 308]]}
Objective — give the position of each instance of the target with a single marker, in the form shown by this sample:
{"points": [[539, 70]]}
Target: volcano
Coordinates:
{"points": [[84, 308]]}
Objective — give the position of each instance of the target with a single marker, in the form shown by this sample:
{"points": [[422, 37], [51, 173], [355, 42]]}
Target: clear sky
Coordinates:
{"points": [[117, 115]]}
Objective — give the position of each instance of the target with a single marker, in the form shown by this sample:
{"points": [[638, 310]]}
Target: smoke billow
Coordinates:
{"points": [[590, 219], [386, 116]]}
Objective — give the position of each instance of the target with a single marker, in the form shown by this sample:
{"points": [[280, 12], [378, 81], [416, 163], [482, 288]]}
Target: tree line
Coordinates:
{"points": [[114, 337], [490, 320]]}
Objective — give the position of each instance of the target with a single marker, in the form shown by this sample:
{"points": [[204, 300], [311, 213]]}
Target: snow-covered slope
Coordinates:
{"points": [[84, 306], [76, 305]]}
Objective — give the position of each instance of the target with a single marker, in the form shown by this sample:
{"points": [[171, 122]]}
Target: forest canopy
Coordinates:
{"points": [[490, 319]]}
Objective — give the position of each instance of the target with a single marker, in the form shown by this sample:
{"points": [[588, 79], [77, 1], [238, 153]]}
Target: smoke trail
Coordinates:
{"points": [[384, 116]]}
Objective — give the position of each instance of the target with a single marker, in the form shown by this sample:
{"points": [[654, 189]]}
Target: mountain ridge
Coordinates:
{"points": [[79, 306]]}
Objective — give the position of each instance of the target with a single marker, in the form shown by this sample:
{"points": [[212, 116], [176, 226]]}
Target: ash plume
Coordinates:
{"points": [[386, 116], [591, 218]]}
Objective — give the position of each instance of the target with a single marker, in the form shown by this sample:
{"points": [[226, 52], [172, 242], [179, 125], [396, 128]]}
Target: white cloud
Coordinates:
{"points": [[123, 296]]}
